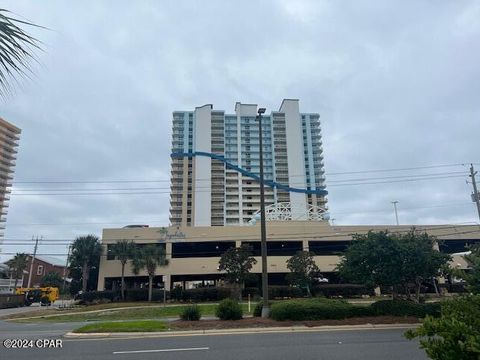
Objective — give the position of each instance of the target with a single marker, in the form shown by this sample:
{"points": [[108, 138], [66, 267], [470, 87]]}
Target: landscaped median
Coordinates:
{"points": [[130, 313], [305, 313]]}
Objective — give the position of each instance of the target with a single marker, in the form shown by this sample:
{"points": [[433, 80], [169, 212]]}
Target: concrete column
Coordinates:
{"points": [[167, 279], [238, 243], [168, 250], [101, 283], [305, 245]]}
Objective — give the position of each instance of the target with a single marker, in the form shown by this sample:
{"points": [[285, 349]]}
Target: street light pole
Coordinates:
{"points": [[395, 207], [263, 229]]}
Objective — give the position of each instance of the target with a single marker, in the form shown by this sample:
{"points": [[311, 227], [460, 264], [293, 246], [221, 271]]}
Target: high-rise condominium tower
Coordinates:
{"points": [[215, 165], [9, 136]]}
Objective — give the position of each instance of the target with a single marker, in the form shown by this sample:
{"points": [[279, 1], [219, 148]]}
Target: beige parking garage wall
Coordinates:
{"points": [[284, 231]]}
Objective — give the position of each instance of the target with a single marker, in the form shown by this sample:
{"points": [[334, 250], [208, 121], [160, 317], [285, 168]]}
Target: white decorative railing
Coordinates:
{"points": [[283, 212]]}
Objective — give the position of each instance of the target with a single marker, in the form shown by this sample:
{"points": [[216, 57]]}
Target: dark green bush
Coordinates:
{"points": [[253, 291], [281, 292], [201, 294], [177, 293], [90, 297], [405, 308], [191, 313], [142, 295], [315, 309], [257, 310], [341, 290], [456, 334], [229, 309]]}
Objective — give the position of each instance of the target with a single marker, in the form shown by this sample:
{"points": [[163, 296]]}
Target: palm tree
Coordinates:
{"points": [[123, 250], [149, 258], [86, 251], [15, 49], [17, 265]]}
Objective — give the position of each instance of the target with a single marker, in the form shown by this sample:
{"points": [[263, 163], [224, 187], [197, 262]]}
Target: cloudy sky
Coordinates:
{"points": [[397, 85]]}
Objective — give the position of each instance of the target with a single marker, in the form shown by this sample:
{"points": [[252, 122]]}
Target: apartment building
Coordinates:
{"points": [[9, 137], [216, 165]]}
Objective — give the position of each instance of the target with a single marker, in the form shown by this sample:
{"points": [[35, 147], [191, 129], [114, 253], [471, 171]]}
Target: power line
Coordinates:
{"points": [[207, 189], [165, 188], [395, 169], [168, 180], [149, 221]]}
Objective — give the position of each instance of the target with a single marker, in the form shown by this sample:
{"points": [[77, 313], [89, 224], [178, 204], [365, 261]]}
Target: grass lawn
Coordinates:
{"points": [[130, 326], [147, 312], [77, 309]]}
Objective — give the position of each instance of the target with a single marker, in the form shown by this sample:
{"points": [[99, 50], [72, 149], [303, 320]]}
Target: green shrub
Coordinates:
{"points": [[405, 308], [229, 309], [315, 309], [456, 334], [191, 313], [257, 310]]}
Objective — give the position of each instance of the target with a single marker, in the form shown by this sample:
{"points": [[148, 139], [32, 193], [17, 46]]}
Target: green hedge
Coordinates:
{"points": [[94, 296], [90, 297], [142, 295], [201, 294], [323, 309], [314, 309], [341, 290], [280, 292], [405, 308]]}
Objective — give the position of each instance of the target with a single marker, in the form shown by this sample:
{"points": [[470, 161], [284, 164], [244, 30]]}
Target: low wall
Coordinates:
{"points": [[11, 300]]}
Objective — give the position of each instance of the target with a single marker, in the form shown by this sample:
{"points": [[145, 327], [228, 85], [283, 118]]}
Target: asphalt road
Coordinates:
{"points": [[331, 345]]}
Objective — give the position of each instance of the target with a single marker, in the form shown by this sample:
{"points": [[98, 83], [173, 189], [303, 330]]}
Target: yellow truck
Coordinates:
{"points": [[45, 295]]}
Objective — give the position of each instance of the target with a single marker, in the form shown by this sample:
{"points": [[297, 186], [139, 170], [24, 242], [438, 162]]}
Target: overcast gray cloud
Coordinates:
{"points": [[397, 85]]}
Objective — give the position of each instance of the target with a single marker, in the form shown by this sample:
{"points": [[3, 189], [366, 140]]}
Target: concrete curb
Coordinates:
{"points": [[277, 329]]}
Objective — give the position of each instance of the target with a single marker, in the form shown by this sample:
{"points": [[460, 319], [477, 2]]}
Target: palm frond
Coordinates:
{"points": [[16, 50]]}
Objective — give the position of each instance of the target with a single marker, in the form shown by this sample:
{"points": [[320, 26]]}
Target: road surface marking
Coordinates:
{"points": [[160, 350]]}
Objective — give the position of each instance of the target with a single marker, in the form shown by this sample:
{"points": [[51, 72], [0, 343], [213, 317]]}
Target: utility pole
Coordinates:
{"points": [[65, 269], [263, 229], [32, 259], [475, 195], [395, 207]]}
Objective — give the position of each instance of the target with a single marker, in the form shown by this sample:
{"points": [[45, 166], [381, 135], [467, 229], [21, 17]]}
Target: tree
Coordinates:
{"points": [[149, 257], [237, 263], [17, 266], [15, 49], [472, 276], [371, 259], [456, 334], [421, 262], [303, 269], [52, 279], [392, 260], [123, 250], [86, 252]]}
